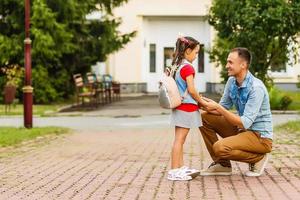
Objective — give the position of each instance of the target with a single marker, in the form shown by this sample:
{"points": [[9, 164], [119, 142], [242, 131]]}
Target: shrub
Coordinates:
{"points": [[279, 101], [274, 95], [285, 101]]}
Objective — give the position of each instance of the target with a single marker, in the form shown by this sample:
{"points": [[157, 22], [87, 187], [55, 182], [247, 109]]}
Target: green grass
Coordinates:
{"points": [[289, 127], [288, 133], [286, 142], [37, 109], [295, 105], [10, 136]]}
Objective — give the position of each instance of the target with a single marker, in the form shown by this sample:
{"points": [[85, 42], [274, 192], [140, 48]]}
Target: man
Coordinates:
{"points": [[246, 137]]}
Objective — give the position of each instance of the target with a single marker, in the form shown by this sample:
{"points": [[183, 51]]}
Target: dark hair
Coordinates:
{"points": [[243, 53], [182, 44]]}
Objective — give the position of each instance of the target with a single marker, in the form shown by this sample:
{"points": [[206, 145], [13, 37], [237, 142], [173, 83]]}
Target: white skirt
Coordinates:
{"points": [[186, 119]]}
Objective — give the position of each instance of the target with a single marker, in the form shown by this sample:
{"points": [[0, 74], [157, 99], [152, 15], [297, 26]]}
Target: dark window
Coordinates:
{"points": [[168, 56], [278, 67], [201, 59], [152, 58]]}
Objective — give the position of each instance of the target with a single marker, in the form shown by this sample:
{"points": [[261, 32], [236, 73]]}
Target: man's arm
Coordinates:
{"points": [[253, 106], [225, 101], [229, 116], [214, 112], [251, 111], [203, 106]]}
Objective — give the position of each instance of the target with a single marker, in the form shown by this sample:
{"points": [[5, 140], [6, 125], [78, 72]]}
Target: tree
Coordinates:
{"points": [[268, 28], [63, 41]]}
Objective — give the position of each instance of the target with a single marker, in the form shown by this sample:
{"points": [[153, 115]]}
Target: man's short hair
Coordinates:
{"points": [[243, 53]]}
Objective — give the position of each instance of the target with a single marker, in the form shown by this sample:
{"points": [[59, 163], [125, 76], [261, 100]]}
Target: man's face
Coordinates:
{"points": [[234, 64]]}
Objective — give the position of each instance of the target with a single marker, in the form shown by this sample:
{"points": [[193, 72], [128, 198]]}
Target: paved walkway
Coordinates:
{"points": [[130, 161]]}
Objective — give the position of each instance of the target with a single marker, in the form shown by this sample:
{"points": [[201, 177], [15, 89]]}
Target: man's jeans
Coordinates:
{"points": [[239, 145]]}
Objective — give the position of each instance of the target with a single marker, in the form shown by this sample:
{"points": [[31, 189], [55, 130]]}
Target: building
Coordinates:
{"points": [[158, 23]]}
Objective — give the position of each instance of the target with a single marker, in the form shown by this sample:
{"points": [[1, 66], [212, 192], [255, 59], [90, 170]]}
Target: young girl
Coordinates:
{"points": [[186, 115]]}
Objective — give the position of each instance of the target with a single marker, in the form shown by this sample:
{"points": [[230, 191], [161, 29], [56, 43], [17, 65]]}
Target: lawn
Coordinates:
{"points": [[286, 142], [295, 96], [288, 133], [10, 136], [295, 105], [291, 128], [37, 109]]}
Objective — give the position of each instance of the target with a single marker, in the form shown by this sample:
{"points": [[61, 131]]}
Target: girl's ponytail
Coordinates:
{"points": [[182, 44]]}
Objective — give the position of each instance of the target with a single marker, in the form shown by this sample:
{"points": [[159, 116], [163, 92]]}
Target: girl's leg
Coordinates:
{"points": [[177, 149]]}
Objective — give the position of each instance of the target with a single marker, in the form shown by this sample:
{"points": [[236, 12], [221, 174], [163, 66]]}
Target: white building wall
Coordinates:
{"points": [[163, 32], [125, 65], [129, 65]]}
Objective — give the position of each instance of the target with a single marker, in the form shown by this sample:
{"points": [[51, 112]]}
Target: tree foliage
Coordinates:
{"points": [[64, 42], [268, 28]]}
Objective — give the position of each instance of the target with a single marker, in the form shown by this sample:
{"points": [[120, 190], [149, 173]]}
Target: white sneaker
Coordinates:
{"points": [[190, 172], [257, 169], [178, 175], [172, 171]]}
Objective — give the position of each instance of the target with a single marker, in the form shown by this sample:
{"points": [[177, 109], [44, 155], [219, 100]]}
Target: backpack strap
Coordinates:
{"points": [[174, 70], [168, 71], [184, 95], [171, 71]]}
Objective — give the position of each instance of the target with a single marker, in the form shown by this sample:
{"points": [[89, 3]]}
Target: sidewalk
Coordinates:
{"points": [[132, 162], [136, 106], [129, 106]]}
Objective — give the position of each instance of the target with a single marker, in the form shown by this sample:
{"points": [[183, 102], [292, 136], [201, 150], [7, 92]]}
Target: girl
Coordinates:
{"points": [[186, 115]]}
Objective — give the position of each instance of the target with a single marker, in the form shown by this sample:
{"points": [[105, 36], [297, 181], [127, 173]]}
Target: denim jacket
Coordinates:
{"points": [[251, 101]]}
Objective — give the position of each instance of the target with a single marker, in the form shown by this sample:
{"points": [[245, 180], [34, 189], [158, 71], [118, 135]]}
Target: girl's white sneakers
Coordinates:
{"points": [[182, 174]]}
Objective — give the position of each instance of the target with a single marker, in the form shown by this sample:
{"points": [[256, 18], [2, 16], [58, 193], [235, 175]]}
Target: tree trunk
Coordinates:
{"points": [[9, 94]]}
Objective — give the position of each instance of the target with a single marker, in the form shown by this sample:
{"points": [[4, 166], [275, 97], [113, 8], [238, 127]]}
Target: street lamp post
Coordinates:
{"points": [[27, 89]]}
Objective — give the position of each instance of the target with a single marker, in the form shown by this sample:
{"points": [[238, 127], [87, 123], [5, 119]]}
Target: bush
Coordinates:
{"points": [[285, 101], [278, 100], [44, 92], [274, 98]]}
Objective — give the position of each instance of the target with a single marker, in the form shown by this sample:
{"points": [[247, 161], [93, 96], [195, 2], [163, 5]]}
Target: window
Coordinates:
{"points": [[168, 56], [201, 59], [278, 67], [152, 53]]}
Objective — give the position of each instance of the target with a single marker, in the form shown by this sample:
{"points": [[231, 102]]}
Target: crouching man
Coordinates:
{"points": [[246, 137]]}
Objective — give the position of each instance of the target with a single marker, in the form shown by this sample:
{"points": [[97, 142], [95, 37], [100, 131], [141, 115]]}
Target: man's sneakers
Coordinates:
{"points": [[185, 173], [257, 169], [182, 174], [216, 169]]}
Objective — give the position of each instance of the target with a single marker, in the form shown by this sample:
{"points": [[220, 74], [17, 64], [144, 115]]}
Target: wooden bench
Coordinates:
{"points": [[84, 91]]}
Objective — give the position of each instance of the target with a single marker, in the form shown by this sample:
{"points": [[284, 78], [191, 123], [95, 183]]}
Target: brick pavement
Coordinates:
{"points": [[132, 164]]}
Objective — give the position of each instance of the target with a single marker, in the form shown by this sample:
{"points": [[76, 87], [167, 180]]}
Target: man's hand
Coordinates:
{"points": [[212, 105], [209, 105], [203, 102], [207, 99]]}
